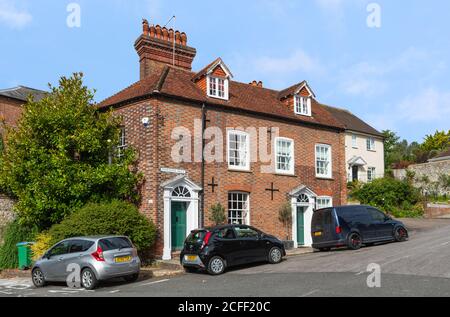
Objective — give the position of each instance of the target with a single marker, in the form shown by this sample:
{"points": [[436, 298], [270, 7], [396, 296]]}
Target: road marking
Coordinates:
{"points": [[113, 292], [311, 293], [63, 292], [155, 282], [446, 243], [6, 293], [360, 273]]}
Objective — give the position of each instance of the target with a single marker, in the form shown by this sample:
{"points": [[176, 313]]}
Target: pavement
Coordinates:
{"points": [[418, 267]]}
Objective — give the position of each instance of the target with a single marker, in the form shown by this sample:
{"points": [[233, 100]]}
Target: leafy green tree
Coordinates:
{"points": [[218, 215], [440, 141], [57, 159]]}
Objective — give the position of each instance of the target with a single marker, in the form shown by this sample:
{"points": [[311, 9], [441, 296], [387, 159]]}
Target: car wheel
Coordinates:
{"points": [[216, 265], [131, 278], [400, 234], [275, 255], [354, 241], [38, 278], [88, 279]]}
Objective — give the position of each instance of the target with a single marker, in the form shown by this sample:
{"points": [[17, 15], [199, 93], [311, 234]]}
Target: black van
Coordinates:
{"points": [[353, 226]]}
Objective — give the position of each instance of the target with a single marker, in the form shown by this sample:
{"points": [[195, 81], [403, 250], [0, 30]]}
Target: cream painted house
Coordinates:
{"points": [[364, 147]]}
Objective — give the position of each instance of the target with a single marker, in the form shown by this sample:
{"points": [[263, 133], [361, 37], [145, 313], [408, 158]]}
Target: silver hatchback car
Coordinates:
{"points": [[97, 258]]}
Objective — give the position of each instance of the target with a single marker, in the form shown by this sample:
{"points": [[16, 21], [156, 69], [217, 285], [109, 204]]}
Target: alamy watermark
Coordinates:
{"points": [[74, 18], [374, 278], [374, 17]]}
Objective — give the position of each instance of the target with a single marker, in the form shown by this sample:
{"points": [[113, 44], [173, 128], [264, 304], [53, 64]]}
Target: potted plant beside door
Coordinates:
{"points": [[285, 217]]}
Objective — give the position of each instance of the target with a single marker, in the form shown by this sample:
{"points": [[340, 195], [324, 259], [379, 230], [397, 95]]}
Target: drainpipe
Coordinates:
{"points": [[202, 197]]}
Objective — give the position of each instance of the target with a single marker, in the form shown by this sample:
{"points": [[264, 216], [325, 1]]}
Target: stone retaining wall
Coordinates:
{"points": [[6, 213]]}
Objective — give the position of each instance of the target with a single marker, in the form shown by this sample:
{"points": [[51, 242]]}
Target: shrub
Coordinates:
{"points": [[218, 215], [14, 233], [114, 218], [398, 198], [285, 217], [43, 243]]}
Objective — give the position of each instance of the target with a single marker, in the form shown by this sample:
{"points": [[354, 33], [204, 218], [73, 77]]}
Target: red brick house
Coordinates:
{"points": [[11, 101], [303, 140]]}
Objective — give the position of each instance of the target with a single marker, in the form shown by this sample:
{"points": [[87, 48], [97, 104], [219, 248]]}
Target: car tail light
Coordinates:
{"points": [[206, 239], [338, 230], [98, 255]]}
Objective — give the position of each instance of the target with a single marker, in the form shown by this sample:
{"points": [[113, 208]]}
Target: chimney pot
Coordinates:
{"points": [[183, 39], [145, 27], [260, 84], [165, 33], [152, 31], [158, 32], [178, 37]]}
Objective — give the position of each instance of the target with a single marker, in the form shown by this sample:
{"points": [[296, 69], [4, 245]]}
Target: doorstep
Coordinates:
{"points": [[299, 251]]}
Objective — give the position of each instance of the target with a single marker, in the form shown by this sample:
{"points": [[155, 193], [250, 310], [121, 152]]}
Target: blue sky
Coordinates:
{"points": [[394, 77]]}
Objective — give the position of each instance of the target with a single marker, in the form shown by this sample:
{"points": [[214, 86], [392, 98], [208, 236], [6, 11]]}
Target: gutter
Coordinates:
{"points": [[202, 202]]}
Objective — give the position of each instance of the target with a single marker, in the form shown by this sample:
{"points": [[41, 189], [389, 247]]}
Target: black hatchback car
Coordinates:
{"points": [[220, 247], [354, 226]]}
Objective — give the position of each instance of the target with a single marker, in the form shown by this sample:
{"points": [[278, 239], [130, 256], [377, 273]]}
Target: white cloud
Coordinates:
{"points": [[299, 61], [372, 78], [429, 105], [13, 17]]}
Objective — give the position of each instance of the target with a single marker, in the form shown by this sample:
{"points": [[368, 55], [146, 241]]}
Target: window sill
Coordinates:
{"points": [[285, 174], [325, 178], [371, 150], [233, 170]]}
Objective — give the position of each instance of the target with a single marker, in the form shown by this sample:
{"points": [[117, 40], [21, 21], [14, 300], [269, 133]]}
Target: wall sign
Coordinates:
{"points": [[172, 171]]}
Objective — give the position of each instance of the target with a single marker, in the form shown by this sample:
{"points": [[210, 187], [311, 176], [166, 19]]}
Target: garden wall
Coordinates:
{"points": [[437, 210], [433, 170]]}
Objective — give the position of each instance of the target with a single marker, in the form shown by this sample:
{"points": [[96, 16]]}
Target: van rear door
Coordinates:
{"points": [[322, 226]]}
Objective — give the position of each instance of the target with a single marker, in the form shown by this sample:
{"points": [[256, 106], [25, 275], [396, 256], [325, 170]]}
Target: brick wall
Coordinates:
{"points": [[437, 210], [154, 145], [10, 110]]}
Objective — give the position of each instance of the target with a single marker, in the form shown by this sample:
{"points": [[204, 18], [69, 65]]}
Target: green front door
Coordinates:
{"points": [[178, 225], [301, 226]]}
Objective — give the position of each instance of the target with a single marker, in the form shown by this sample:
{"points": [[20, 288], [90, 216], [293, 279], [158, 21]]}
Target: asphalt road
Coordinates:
{"points": [[418, 267]]}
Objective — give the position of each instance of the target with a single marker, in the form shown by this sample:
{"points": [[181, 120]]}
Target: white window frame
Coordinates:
{"points": [[245, 167], [370, 144], [299, 105], [122, 143], [245, 218], [225, 87], [330, 163], [372, 172], [354, 141], [330, 204], [291, 170]]}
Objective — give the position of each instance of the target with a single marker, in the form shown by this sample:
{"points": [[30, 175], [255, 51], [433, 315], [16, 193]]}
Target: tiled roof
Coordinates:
{"points": [[175, 82], [22, 93], [352, 122]]}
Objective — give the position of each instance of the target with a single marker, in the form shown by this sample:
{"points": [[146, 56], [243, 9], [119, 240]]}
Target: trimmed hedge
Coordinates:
{"points": [[114, 218]]}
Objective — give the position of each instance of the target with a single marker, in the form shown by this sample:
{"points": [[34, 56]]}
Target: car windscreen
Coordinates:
{"points": [[321, 219], [115, 243], [196, 236]]}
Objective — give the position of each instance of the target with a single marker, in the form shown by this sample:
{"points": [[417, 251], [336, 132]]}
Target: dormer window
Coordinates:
{"points": [[302, 105], [217, 87]]}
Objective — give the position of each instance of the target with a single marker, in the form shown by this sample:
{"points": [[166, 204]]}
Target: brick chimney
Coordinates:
{"points": [[256, 84], [155, 48]]}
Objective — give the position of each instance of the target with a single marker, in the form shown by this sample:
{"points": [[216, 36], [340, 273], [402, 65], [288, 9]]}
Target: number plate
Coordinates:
{"points": [[123, 259], [191, 258], [317, 234]]}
